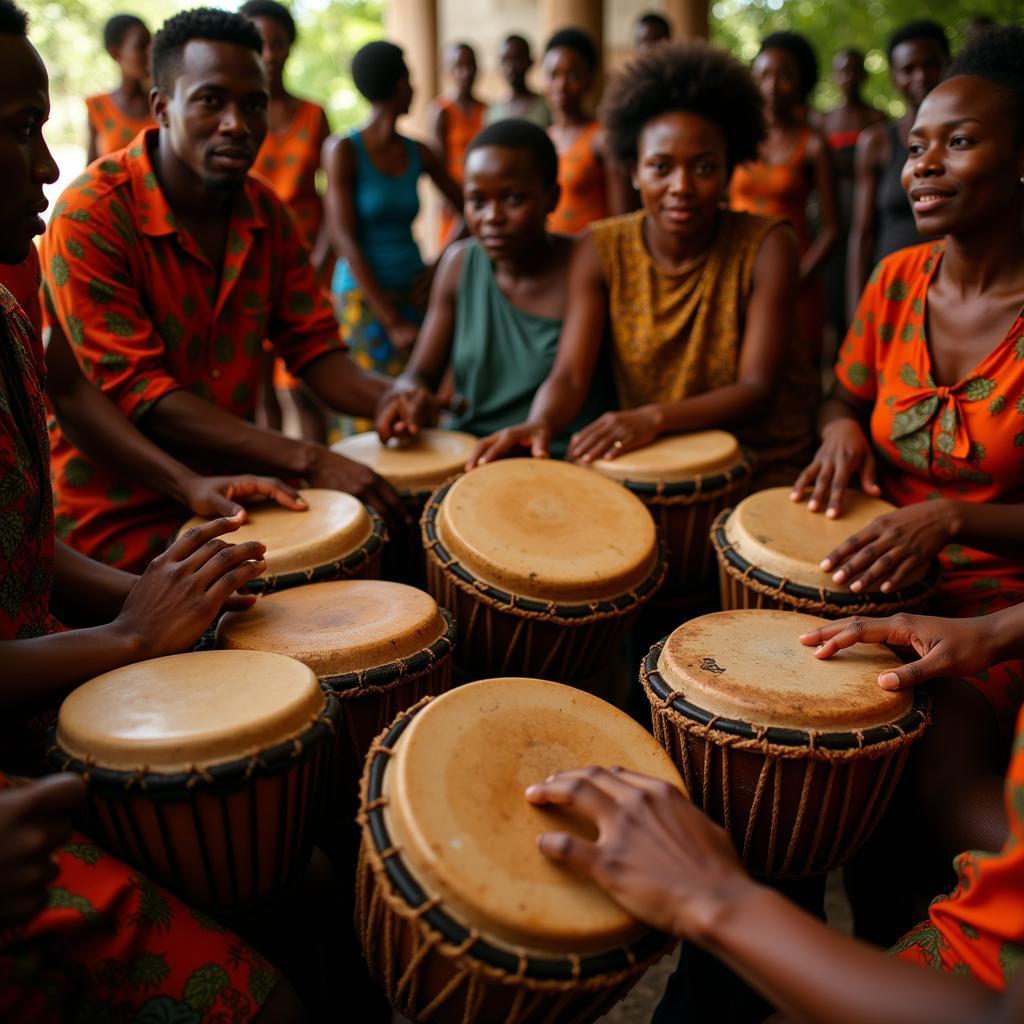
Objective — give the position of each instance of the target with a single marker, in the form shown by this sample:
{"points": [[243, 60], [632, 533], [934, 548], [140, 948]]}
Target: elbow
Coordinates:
{"points": [[759, 395]]}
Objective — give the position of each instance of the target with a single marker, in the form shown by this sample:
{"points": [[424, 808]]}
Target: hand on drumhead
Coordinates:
{"points": [[220, 495], [534, 436], [614, 433], [337, 473], [35, 820], [843, 453], [656, 854], [183, 590], [893, 548], [405, 412], [945, 647]]}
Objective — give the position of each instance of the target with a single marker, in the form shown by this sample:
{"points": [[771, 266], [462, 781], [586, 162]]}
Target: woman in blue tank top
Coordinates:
{"points": [[380, 282]]}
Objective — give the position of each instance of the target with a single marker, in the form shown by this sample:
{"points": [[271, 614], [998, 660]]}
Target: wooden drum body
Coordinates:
{"points": [[797, 758], [337, 537], [462, 919], [205, 771], [769, 549], [544, 565], [685, 481], [378, 647], [415, 468]]}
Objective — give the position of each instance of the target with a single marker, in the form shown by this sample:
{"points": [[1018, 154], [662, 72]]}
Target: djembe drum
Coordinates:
{"points": [[543, 564], [769, 549], [796, 757], [415, 468], [462, 918], [337, 537], [685, 480], [205, 771]]}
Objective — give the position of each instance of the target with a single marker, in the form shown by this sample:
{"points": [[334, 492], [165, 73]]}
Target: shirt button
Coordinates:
{"points": [[215, 374]]}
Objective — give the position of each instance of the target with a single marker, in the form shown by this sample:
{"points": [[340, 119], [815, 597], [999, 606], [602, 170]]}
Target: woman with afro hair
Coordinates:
{"points": [[697, 299]]}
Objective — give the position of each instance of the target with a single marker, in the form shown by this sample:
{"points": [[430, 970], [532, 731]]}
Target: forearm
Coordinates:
{"points": [[817, 253], [558, 402], [832, 411], [86, 592], [995, 528], [814, 973], [345, 387], [858, 258], [736, 403]]}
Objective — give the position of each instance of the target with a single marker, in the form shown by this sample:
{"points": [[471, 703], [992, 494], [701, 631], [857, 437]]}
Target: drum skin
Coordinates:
{"points": [[432, 961], [796, 802], [222, 837]]}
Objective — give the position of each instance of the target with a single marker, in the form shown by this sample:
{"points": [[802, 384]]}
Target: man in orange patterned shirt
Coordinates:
{"points": [[166, 265]]}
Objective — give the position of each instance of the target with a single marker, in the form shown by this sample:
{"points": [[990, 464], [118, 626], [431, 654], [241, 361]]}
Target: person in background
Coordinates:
{"points": [[882, 218], [454, 121], [115, 118], [976, 24], [649, 30], [584, 170], [499, 300], [842, 127], [793, 164], [516, 61], [664, 861], [289, 160], [381, 283]]}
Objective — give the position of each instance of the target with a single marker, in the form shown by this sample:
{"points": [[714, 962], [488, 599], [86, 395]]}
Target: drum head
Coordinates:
{"points": [[750, 666], [421, 464], [172, 713], [547, 530], [456, 807], [785, 539], [334, 526], [675, 458], [338, 627]]}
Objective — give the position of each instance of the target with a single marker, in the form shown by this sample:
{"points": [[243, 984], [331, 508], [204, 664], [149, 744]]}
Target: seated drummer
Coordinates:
{"points": [[82, 935], [698, 299], [927, 407], [664, 861], [166, 265], [498, 301]]}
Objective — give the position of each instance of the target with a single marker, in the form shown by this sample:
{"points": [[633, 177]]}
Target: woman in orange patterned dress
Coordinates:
{"points": [[453, 124], [794, 163], [289, 160], [115, 118]]}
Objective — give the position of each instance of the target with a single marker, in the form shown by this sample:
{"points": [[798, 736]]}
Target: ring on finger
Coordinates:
{"points": [[617, 444]]}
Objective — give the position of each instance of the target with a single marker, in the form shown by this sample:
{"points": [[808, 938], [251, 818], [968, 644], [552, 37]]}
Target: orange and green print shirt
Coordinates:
{"points": [[146, 313], [979, 928], [114, 129], [583, 197]]}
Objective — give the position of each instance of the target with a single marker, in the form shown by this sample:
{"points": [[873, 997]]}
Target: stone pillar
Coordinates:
{"points": [[689, 18], [412, 24]]}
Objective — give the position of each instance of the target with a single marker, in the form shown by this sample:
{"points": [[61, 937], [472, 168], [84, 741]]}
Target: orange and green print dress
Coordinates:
{"points": [[584, 195], [114, 129], [146, 314], [459, 129], [964, 441], [978, 929]]}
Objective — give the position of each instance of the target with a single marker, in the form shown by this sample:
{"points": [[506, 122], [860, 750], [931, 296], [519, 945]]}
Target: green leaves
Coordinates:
{"points": [[147, 970], [61, 899], [87, 853], [858, 375], [997, 405], [913, 419], [978, 389], [204, 985], [118, 324], [897, 291], [915, 449], [909, 376], [12, 529], [101, 292], [77, 472], [76, 330], [59, 270]]}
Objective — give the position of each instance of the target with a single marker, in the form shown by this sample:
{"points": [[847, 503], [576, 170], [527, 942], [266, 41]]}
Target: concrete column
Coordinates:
{"points": [[412, 25], [689, 18]]}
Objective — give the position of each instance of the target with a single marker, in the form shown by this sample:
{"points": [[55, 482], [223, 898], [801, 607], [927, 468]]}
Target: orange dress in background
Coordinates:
{"points": [[459, 130], [584, 196], [114, 129], [782, 190]]}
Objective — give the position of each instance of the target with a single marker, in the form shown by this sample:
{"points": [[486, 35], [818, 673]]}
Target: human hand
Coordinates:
{"points": [[184, 589], [656, 854], [614, 433], [893, 547], [535, 436], [404, 410], [220, 495], [946, 647], [35, 820], [843, 452], [402, 333], [336, 473]]}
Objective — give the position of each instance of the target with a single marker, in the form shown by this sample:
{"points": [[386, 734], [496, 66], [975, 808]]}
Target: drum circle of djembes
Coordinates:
{"points": [[795, 756], [206, 771], [544, 566], [685, 480], [462, 918], [415, 468], [769, 550]]}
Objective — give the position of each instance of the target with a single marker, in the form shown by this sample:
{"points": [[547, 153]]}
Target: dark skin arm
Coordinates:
{"points": [[867, 160], [75, 574], [91, 153], [669, 865], [322, 244], [820, 164], [410, 403]]}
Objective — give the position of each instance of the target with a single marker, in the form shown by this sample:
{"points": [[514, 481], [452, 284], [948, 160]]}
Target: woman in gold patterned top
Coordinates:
{"points": [[696, 300]]}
